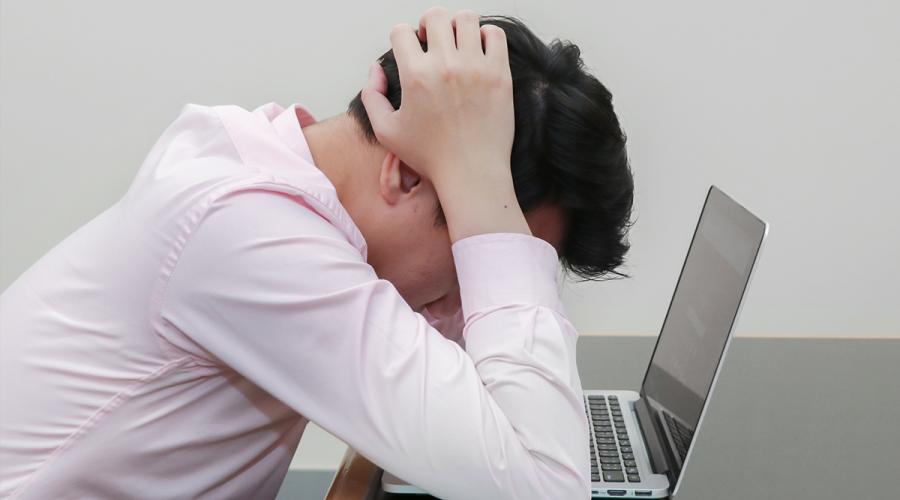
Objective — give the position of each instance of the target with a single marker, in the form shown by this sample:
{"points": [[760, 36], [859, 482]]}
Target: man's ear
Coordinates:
{"points": [[396, 179]]}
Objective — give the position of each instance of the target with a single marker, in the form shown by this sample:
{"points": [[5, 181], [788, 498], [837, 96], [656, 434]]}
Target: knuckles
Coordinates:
{"points": [[440, 68], [450, 71]]}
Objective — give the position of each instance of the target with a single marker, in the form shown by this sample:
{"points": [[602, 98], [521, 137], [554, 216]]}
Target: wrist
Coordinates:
{"points": [[462, 174], [483, 204]]}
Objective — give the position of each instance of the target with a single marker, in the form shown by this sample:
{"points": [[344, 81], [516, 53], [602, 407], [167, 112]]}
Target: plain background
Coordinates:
{"points": [[792, 107]]}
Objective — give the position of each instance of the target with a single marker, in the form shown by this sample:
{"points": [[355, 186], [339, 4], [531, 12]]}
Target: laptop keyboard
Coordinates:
{"points": [[613, 449], [680, 434]]}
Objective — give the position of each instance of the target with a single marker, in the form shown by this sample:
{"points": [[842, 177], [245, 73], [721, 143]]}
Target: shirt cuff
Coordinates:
{"points": [[501, 269]]}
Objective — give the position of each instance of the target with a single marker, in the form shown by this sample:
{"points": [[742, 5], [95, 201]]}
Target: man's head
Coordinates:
{"points": [[569, 168]]}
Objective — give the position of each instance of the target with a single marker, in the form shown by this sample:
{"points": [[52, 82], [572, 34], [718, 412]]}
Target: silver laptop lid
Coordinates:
{"points": [[702, 314]]}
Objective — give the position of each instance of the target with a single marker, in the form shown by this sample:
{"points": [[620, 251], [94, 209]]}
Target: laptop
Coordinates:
{"points": [[641, 442]]}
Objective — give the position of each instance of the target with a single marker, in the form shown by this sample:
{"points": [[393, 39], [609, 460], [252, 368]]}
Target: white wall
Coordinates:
{"points": [[792, 107]]}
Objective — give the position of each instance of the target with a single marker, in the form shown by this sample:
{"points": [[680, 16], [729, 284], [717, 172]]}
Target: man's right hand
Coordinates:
{"points": [[455, 124]]}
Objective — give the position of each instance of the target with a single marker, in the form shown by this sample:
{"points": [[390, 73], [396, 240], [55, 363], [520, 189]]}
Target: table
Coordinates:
{"points": [[798, 418]]}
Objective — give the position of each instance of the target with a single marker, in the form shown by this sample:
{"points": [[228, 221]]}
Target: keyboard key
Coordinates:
{"points": [[609, 453], [630, 463], [631, 470], [634, 478], [595, 477], [627, 456], [607, 467], [609, 460], [624, 442], [614, 476], [626, 449]]}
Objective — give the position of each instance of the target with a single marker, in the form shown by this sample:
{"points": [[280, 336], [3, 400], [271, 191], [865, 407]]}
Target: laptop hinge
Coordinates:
{"points": [[659, 459]]}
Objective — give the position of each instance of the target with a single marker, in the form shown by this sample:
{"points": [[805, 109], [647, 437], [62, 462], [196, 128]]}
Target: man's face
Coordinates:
{"points": [[409, 250]]}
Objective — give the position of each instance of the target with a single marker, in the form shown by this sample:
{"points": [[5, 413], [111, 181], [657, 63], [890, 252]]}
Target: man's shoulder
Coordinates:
{"points": [[265, 210]]}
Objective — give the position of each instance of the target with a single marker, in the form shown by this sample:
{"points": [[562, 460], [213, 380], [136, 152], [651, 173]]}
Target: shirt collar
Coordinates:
{"points": [[288, 125]]}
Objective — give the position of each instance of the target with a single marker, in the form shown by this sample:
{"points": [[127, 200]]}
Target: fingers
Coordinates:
{"points": [[377, 105], [468, 34], [435, 28], [495, 43], [405, 45]]}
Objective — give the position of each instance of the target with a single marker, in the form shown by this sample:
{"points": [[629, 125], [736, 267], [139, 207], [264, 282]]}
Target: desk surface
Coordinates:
{"points": [[790, 418]]}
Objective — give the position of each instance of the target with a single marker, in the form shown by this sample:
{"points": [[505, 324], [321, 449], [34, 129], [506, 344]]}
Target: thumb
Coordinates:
{"points": [[377, 105]]}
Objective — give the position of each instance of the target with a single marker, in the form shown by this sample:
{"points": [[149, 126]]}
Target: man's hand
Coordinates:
{"points": [[456, 122], [457, 108]]}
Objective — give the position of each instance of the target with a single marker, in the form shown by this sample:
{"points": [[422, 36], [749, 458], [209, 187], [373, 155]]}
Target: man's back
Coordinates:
{"points": [[88, 381]]}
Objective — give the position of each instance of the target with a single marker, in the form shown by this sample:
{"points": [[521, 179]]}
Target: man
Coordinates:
{"points": [[264, 270]]}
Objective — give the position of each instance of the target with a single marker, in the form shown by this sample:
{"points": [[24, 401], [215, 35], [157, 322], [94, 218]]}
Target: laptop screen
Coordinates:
{"points": [[702, 312]]}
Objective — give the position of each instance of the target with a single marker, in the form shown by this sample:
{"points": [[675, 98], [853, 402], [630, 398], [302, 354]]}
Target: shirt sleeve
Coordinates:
{"points": [[269, 288]]}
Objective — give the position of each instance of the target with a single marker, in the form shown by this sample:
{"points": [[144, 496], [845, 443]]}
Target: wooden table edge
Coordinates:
{"points": [[356, 478]]}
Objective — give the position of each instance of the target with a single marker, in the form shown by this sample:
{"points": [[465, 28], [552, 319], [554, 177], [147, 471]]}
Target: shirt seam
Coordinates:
{"points": [[187, 224]]}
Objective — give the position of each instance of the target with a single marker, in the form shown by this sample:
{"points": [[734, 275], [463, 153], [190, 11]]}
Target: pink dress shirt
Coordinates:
{"points": [[177, 344]]}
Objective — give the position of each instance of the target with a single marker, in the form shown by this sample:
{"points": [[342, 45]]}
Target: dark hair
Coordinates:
{"points": [[568, 148]]}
